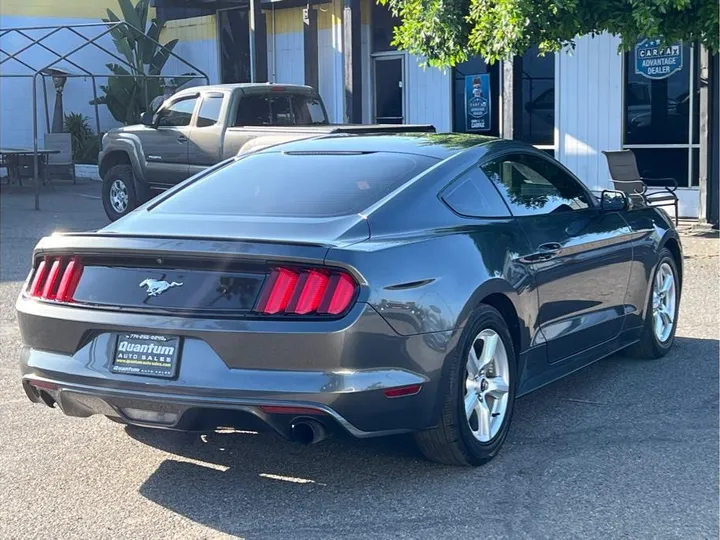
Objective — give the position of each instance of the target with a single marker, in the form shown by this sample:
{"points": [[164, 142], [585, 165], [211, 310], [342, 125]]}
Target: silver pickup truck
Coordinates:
{"points": [[202, 126]]}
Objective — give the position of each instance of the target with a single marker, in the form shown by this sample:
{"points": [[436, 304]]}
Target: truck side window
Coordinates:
{"points": [[253, 111], [209, 112], [178, 114]]}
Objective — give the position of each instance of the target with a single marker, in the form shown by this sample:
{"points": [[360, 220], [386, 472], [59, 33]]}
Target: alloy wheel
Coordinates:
{"points": [[119, 196], [487, 385], [664, 302]]}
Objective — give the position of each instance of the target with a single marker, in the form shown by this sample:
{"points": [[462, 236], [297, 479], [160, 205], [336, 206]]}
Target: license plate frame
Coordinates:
{"points": [[146, 355]]}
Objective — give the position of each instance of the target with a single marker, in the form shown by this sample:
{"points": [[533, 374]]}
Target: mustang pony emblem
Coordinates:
{"points": [[155, 287]]}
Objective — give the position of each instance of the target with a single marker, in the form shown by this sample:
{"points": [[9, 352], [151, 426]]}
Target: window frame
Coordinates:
{"points": [[178, 99], [593, 203], [221, 112]]}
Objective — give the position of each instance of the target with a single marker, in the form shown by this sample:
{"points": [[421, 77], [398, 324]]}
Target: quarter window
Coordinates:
{"points": [[472, 195], [209, 112], [178, 114], [532, 185]]}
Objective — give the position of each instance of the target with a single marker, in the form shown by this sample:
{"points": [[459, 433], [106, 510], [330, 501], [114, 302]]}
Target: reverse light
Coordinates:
{"points": [[306, 292], [56, 278]]}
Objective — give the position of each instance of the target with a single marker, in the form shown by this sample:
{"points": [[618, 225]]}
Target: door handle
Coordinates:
{"points": [[545, 252], [182, 139]]}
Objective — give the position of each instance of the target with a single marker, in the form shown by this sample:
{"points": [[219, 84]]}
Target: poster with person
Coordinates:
{"points": [[477, 102]]}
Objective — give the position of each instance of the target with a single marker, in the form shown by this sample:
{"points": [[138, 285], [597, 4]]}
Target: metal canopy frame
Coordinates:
{"points": [[32, 71]]}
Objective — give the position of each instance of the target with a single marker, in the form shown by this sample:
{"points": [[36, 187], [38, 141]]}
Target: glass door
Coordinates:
{"points": [[388, 89]]}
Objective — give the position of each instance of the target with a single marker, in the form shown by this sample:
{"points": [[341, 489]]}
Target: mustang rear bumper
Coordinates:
{"points": [[337, 374]]}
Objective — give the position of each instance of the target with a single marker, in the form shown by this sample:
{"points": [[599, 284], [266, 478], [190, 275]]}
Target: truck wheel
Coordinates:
{"points": [[118, 192]]}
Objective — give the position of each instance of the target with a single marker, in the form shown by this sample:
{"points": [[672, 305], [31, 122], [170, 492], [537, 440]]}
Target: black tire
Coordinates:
{"points": [[650, 347], [452, 441], [123, 174]]}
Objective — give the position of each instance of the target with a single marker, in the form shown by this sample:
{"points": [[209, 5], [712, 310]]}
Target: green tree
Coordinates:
{"points": [[447, 32]]}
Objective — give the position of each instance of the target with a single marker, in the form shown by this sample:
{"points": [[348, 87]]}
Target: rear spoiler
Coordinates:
{"points": [[329, 129], [277, 136]]}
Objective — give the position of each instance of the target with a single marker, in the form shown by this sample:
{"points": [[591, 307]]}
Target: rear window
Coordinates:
{"points": [[297, 184], [280, 109]]}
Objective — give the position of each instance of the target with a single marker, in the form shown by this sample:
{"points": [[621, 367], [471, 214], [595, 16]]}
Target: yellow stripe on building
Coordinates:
{"points": [[192, 29], [61, 9]]}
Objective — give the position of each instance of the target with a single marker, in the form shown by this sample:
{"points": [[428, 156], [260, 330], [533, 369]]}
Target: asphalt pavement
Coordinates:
{"points": [[621, 449]]}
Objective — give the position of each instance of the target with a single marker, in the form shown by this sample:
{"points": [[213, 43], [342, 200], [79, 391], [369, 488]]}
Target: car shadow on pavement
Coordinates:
{"points": [[226, 480]]}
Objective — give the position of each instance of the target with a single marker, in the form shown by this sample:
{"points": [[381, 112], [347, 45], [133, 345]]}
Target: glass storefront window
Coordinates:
{"points": [[383, 25], [663, 163], [535, 98], [657, 111]]}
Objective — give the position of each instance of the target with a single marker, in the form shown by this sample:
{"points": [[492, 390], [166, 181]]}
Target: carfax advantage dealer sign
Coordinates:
{"points": [[656, 60]]}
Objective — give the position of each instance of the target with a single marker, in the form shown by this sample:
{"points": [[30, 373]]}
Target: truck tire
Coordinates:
{"points": [[118, 192]]}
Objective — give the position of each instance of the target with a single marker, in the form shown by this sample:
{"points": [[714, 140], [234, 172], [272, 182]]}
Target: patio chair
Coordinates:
{"points": [[626, 178], [61, 163]]}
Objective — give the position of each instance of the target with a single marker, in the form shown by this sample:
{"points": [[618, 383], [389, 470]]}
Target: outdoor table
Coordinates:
{"points": [[12, 160]]}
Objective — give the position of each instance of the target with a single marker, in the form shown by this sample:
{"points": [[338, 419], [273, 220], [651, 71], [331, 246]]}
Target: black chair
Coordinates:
{"points": [[626, 178]]}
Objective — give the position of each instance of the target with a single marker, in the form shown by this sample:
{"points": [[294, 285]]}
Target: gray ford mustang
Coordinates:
{"points": [[366, 284]]}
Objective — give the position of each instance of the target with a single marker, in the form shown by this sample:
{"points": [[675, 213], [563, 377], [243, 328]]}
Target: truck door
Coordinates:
{"points": [[166, 146]]}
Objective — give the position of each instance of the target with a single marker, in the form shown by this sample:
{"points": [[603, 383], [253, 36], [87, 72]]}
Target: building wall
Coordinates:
{"points": [[429, 97], [588, 107], [198, 46], [330, 60], [285, 46]]}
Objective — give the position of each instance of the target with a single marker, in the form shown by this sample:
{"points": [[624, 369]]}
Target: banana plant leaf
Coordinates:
{"points": [[150, 45], [161, 57]]}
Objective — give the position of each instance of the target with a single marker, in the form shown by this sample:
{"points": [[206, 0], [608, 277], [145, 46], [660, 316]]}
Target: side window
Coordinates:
{"points": [[253, 111], [178, 114], [472, 195], [532, 185], [209, 112]]}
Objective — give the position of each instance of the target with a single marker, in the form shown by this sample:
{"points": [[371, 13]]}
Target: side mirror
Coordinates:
{"points": [[613, 201], [146, 119]]}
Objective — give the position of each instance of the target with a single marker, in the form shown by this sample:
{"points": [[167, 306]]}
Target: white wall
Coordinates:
{"points": [[428, 98], [588, 107], [16, 93], [289, 57], [331, 62]]}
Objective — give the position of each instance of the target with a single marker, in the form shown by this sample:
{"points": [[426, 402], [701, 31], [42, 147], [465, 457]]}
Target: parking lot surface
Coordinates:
{"points": [[622, 449]]}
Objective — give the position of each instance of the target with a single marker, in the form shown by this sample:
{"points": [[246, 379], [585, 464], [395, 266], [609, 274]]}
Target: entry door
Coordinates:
{"points": [[388, 89]]}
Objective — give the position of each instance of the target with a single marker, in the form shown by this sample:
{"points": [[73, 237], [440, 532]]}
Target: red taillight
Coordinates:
{"points": [[69, 281], [39, 278], [306, 292], [51, 283], [56, 279]]}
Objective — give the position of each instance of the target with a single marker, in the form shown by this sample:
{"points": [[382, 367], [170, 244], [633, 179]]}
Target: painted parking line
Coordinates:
{"points": [[87, 196]]}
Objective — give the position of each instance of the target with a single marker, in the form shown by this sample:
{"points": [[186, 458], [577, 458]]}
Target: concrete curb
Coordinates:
{"points": [[87, 171]]}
